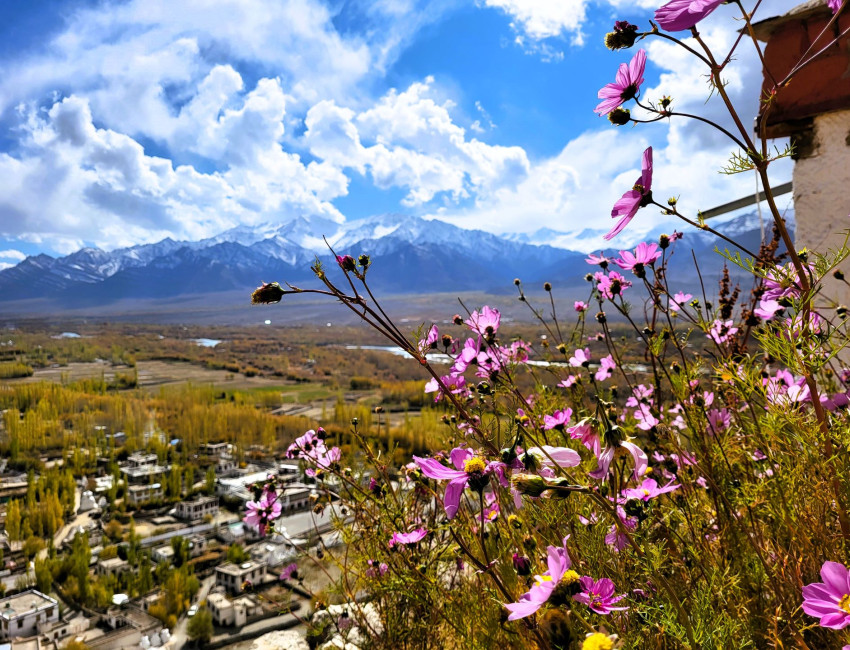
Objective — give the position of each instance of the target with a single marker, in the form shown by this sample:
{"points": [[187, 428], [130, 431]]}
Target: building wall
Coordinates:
{"points": [[821, 197], [27, 625]]}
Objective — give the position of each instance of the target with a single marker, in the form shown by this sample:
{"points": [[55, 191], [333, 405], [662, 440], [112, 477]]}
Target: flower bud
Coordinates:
{"points": [[514, 522], [600, 317], [522, 565], [562, 348], [457, 320], [623, 36], [446, 340], [364, 261], [346, 262], [841, 311], [547, 286], [664, 241], [530, 484], [838, 274], [619, 116], [269, 292], [517, 281]]}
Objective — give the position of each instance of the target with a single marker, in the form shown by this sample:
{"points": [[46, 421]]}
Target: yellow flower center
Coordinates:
{"points": [[570, 577], [598, 641], [844, 603], [541, 579], [646, 492], [475, 464]]}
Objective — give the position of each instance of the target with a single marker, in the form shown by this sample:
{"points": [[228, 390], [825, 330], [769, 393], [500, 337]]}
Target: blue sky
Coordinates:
{"points": [[125, 122]]}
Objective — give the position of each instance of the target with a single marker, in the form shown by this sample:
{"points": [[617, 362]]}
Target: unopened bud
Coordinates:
{"points": [[838, 274], [457, 320], [529, 484], [364, 261], [547, 286], [346, 262], [522, 565], [269, 292], [619, 116], [600, 317]]}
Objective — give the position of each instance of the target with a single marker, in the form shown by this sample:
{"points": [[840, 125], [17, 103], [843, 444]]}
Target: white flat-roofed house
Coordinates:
{"points": [[198, 545], [236, 612], [141, 468], [112, 566], [140, 494], [233, 576], [21, 614], [197, 508]]}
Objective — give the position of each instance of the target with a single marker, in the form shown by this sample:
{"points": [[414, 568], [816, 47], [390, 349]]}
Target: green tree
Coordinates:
{"points": [[32, 546], [210, 480], [237, 554], [200, 627], [43, 576], [13, 521]]}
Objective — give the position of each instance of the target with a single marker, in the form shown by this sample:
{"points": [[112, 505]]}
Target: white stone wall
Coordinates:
{"points": [[822, 197]]}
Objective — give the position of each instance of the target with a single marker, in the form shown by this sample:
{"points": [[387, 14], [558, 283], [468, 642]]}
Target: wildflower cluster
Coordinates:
{"points": [[584, 493]]}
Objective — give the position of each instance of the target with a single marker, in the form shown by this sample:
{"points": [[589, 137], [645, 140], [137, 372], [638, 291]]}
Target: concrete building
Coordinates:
{"points": [[113, 566], [198, 545], [234, 576], [140, 494], [233, 613], [197, 508], [141, 468], [21, 614]]}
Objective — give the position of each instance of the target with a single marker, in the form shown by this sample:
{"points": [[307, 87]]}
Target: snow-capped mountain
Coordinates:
{"points": [[410, 255]]}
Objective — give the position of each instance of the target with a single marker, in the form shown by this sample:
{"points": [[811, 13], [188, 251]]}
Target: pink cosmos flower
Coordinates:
{"points": [[598, 595], [829, 600], [606, 457], [580, 358], [569, 381], [767, 309], [455, 383], [722, 331], [289, 571], [646, 420], [471, 469], [616, 537], [605, 284], [430, 341], [376, 569], [580, 306], [413, 537], [263, 512], [677, 15], [626, 85], [485, 323], [639, 196], [644, 254], [304, 445], [719, 420], [547, 457], [585, 432], [600, 259], [558, 420], [640, 395], [558, 564], [835, 5], [649, 490], [680, 300], [606, 368]]}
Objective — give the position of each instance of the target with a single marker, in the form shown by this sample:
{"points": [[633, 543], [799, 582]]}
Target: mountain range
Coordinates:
{"points": [[410, 256]]}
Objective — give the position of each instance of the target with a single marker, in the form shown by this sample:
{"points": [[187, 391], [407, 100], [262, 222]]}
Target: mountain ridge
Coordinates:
{"points": [[410, 254]]}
